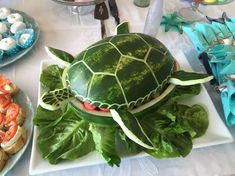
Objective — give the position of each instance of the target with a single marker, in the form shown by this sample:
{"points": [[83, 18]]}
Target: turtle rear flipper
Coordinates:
{"points": [[184, 78], [131, 127]]}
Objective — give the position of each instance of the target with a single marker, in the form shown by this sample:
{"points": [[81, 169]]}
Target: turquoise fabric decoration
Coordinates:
{"points": [[218, 41], [231, 95], [231, 26], [223, 28], [207, 31], [228, 101], [222, 61], [174, 21], [197, 39]]}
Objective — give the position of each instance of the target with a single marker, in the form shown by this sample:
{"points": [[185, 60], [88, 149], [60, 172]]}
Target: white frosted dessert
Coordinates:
{"points": [[24, 38], [17, 26], [14, 17], [3, 28], [7, 43], [4, 12]]}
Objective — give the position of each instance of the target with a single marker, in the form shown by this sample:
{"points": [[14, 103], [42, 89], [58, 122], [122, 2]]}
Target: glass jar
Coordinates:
{"points": [[142, 3]]}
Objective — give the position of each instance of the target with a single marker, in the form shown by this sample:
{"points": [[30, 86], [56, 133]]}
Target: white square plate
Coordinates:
{"points": [[217, 132]]}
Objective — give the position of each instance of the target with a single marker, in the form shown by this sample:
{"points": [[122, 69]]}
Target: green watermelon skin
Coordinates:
{"points": [[121, 71], [105, 118]]}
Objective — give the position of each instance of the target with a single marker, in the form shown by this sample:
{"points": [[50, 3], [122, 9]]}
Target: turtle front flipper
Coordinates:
{"points": [[184, 78], [131, 127], [60, 56], [55, 99]]}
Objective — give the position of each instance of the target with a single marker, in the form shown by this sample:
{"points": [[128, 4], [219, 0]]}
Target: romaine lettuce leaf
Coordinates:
{"points": [[194, 118], [66, 138], [51, 77], [182, 92], [105, 142], [169, 139], [44, 117], [130, 145]]}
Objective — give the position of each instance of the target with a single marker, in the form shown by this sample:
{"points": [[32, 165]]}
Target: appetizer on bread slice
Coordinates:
{"points": [[5, 102], [2, 121], [6, 86], [3, 158], [14, 113], [14, 138]]}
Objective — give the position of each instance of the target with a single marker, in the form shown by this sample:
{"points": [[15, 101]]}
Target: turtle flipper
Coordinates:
{"points": [[184, 78], [131, 127], [55, 99], [122, 28], [59, 56]]}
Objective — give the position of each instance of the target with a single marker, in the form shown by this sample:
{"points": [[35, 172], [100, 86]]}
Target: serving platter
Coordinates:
{"points": [[23, 100], [217, 132], [30, 23]]}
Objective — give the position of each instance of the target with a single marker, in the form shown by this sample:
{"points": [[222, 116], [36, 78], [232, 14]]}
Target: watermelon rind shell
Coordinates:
{"points": [[109, 75], [183, 78], [105, 118], [59, 55]]}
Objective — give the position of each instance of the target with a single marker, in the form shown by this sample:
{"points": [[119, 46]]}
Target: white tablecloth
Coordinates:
{"points": [[62, 29]]}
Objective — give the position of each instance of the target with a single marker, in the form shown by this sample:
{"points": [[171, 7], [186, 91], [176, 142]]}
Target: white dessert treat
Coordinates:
{"points": [[3, 28], [24, 38], [17, 26], [14, 17], [7, 43], [4, 12]]}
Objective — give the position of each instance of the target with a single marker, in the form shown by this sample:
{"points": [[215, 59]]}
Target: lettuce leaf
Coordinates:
{"points": [[168, 137], [183, 92], [44, 117], [169, 129], [194, 118], [66, 138], [105, 142], [131, 146], [51, 77]]}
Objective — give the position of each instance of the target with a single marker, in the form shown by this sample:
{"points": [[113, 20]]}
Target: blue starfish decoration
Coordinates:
{"points": [[174, 21]]}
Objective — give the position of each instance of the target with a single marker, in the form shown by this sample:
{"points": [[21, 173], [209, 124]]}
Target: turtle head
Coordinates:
{"points": [[122, 28]]}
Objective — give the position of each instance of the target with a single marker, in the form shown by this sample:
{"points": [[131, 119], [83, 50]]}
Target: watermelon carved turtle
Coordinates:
{"points": [[127, 74]]}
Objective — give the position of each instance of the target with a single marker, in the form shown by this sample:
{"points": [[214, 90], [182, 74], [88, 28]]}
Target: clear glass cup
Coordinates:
{"points": [[154, 18], [191, 13], [142, 3]]}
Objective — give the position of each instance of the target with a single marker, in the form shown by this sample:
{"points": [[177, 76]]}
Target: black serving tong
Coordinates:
{"points": [[101, 13], [204, 58], [114, 10]]}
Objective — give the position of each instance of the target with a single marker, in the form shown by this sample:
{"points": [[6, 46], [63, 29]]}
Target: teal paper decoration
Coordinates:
{"points": [[217, 40], [174, 21]]}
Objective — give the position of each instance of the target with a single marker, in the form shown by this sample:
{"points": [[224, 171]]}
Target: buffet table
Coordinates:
{"points": [[60, 28]]}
